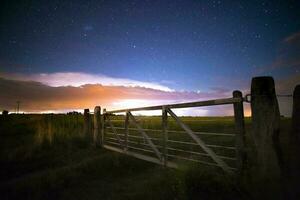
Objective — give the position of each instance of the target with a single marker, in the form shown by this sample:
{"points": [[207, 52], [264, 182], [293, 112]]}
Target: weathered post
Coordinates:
{"points": [[97, 125], [86, 120], [165, 135], [293, 164], [240, 131], [265, 130]]}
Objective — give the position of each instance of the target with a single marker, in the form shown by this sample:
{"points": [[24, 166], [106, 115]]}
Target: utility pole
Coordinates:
{"points": [[18, 106]]}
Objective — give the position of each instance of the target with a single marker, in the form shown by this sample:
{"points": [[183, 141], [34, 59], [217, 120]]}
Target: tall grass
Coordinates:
{"points": [[47, 157]]}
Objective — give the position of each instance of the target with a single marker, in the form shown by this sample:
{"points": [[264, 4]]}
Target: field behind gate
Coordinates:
{"points": [[47, 156], [217, 132]]}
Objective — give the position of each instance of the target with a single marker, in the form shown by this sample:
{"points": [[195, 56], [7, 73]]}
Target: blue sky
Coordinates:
{"points": [[182, 45]]}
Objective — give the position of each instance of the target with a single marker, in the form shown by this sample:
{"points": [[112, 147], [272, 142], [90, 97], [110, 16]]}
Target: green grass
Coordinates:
{"points": [[48, 157]]}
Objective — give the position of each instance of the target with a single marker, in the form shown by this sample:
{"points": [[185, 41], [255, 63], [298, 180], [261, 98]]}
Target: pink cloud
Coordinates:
{"points": [[77, 79], [37, 97]]}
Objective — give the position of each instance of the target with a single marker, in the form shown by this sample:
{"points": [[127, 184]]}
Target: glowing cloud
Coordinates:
{"points": [[78, 79], [38, 97]]}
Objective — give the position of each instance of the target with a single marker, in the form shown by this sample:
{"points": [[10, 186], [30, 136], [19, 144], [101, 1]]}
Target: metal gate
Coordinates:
{"points": [[169, 146]]}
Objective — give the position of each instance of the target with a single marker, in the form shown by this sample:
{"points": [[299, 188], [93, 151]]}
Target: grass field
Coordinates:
{"points": [[47, 157]]}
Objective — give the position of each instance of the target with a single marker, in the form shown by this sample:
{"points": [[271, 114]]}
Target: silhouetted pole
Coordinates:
{"points": [[165, 135], [293, 165], [18, 106], [265, 130], [97, 126], [86, 125], [240, 131]]}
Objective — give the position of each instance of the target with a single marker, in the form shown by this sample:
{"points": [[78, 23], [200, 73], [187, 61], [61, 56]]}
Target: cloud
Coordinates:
{"points": [[289, 55], [288, 60], [77, 79], [61, 92], [37, 97], [294, 38], [286, 86]]}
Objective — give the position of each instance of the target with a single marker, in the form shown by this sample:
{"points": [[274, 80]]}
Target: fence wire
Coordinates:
{"points": [[247, 97]]}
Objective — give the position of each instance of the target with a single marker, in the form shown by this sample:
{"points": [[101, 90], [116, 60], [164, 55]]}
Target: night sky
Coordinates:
{"points": [[198, 47]]}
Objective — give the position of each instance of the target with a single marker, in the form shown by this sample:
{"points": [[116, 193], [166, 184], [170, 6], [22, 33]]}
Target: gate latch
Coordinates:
{"points": [[247, 98]]}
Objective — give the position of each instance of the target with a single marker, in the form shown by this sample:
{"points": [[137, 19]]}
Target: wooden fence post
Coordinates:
{"points": [[165, 135], [87, 123], [293, 158], [265, 130], [240, 132], [97, 125]]}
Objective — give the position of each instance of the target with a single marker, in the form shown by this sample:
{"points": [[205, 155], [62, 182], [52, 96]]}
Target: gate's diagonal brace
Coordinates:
{"points": [[158, 154], [115, 132], [212, 154]]}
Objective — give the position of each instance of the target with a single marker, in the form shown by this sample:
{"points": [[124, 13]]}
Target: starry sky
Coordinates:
{"points": [[199, 47]]}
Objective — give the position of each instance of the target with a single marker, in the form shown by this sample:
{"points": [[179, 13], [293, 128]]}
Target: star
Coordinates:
{"points": [[88, 28], [84, 35]]}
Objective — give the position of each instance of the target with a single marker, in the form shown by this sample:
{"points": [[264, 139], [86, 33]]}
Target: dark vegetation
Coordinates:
{"points": [[48, 157]]}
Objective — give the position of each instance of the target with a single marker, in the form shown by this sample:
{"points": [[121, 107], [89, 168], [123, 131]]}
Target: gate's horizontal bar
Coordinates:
{"points": [[209, 145], [139, 156], [183, 105], [134, 136], [200, 154], [185, 151], [114, 143], [199, 161], [174, 149], [172, 131], [190, 152], [190, 159], [130, 147], [141, 143], [140, 149], [110, 138], [187, 143]]}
